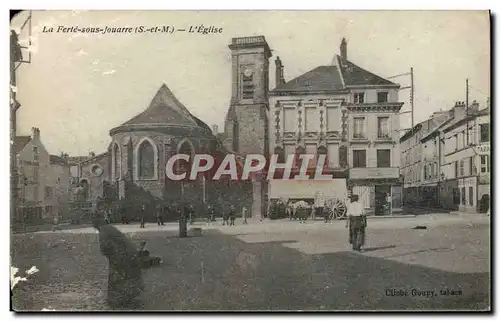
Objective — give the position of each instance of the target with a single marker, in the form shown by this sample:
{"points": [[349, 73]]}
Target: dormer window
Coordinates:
{"points": [[359, 98], [382, 97]]}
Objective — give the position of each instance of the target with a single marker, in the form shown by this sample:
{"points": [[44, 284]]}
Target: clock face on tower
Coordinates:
{"points": [[248, 72]]}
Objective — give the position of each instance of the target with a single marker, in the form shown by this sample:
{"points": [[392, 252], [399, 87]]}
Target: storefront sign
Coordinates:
{"points": [[374, 173]]}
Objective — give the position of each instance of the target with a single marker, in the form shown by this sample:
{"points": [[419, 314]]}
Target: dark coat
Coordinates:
{"points": [[125, 281]]}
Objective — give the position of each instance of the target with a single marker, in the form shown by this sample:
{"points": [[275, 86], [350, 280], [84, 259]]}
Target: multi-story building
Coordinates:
{"points": [[346, 113], [445, 160], [33, 167], [420, 160], [466, 162]]}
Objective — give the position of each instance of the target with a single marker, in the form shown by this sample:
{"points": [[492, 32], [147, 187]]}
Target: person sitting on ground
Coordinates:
{"points": [[125, 282]]}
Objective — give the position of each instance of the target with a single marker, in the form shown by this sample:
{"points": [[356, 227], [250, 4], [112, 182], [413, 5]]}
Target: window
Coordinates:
{"points": [[146, 160], [35, 174], [35, 153], [382, 97], [359, 98], [485, 133], [383, 127], [116, 162], [456, 141], [485, 163], [463, 195], [236, 135], [462, 168], [359, 127], [35, 193], [383, 158], [471, 196], [299, 151], [359, 158], [456, 168], [322, 150], [425, 172], [472, 169], [48, 191], [464, 138], [248, 88]]}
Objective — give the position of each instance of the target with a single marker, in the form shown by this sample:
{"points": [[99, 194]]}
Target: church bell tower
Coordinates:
{"points": [[246, 125]]}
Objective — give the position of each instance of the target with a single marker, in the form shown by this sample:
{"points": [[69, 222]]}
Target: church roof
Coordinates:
{"points": [[335, 77], [165, 110]]}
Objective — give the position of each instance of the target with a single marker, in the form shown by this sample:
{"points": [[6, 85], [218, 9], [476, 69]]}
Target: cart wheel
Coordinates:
{"points": [[339, 209]]}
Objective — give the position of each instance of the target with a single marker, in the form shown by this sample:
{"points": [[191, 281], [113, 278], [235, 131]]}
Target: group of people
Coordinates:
{"points": [[228, 217]]}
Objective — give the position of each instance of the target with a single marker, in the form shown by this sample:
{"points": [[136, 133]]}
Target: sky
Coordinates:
{"points": [[77, 88]]}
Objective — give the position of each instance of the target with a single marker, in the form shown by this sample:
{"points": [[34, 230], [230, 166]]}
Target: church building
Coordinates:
{"points": [[133, 168]]}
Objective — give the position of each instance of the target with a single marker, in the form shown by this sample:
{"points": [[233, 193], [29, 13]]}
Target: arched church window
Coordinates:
{"points": [[116, 162], [83, 190], [146, 160]]}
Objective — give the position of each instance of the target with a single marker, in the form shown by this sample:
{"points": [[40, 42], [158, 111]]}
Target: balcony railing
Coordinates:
{"points": [[248, 40], [374, 173]]}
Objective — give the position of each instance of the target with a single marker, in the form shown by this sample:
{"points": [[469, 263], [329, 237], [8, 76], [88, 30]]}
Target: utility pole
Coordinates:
{"points": [[467, 108], [412, 85]]}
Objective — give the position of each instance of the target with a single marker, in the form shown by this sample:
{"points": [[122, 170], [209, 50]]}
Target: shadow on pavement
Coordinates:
{"points": [[220, 272], [440, 249], [371, 249]]}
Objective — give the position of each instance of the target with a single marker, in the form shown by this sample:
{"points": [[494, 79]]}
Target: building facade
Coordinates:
{"points": [[446, 160], [34, 172], [420, 160], [348, 114], [466, 161]]}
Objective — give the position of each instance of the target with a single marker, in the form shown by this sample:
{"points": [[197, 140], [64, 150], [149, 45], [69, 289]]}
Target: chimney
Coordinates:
{"points": [[35, 133], [343, 49], [215, 129], [280, 77], [91, 155], [474, 106]]}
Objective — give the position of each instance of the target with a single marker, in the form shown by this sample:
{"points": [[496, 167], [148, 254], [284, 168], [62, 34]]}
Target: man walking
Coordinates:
{"points": [[356, 222]]}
